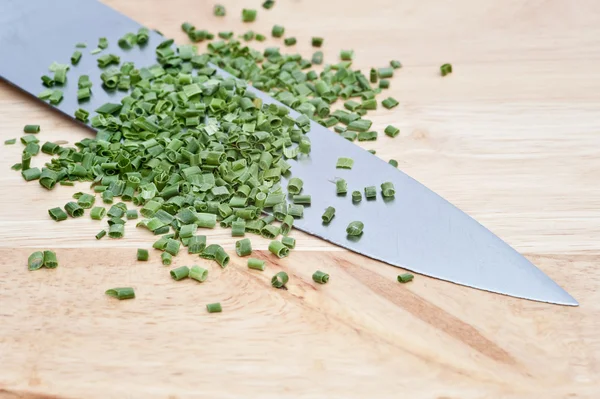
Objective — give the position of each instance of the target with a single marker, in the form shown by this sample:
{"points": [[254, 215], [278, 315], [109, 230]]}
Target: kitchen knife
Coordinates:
{"points": [[417, 230]]}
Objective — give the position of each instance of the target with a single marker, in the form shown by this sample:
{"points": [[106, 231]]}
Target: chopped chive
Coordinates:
{"points": [[289, 41], [31, 128], [360, 125], [260, 37], [221, 257], [31, 174], [289, 242], [56, 97], [243, 247], [295, 185], [356, 196], [446, 69], [142, 254], [121, 293], [351, 105], [248, 15], [373, 75], [302, 199], [256, 264], [328, 215], [73, 209], [296, 210], [166, 258], [367, 136], [198, 273], [82, 115], [317, 58], [278, 249], [57, 214], [405, 278], [96, 51], [391, 131], [369, 104], [389, 103], [268, 4], [214, 308], [180, 273], [81, 45], [238, 228], [317, 41], [225, 35], [280, 280], [384, 84], [35, 261], [76, 57], [98, 213], [355, 228], [196, 244], [393, 162], [116, 231], [339, 129], [172, 246], [385, 73], [103, 43], [50, 260], [100, 234], [86, 201], [320, 277], [219, 10], [341, 187], [344, 163], [131, 214], [370, 192], [346, 55], [277, 31], [372, 151], [10, 141], [395, 64], [387, 189]]}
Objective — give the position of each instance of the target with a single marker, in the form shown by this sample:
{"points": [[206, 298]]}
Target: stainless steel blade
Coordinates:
{"points": [[418, 230]]}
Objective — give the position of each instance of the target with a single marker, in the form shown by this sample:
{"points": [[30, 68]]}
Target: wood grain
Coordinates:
{"points": [[511, 137]]}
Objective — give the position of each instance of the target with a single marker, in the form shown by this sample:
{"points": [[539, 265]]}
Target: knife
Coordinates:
{"points": [[417, 230]]}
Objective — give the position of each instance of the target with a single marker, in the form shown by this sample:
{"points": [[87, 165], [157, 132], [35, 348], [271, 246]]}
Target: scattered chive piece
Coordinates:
{"points": [[56, 97], [355, 228], [57, 214], [356, 196], [131, 214], [369, 104], [351, 105], [277, 31], [268, 4], [35, 260], [289, 242], [121, 293], [76, 57], [360, 125], [31, 174], [82, 115], [302, 199], [405, 278], [196, 244], [344, 163], [221, 257], [317, 58], [346, 55], [395, 64], [393, 162], [50, 260], [372, 152], [391, 131], [320, 277], [173, 246], [248, 36], [260, 37], [98, 212], [339, 129], [243, 247], [248, 15], [31, 128], [278, 249], [328, 214], [385, 73], [295, 185], [238, 228], [367, 136], [180, 273], [86, 201], [256, 264], [287, 224], [102, 43], [389, 103], [198, 273], [446, 69], [100, 234], [387, 189], [225, 35], [384, 84], [219, 10], [214, 308], [370, 192], [289, 41], [73, 209], [81, 45], [116, 231], [341, 187], [373, 75], [10, 141], [280, 280], [317, 41], [166, 258], [296, 210], [96, 51], [142, 255]]}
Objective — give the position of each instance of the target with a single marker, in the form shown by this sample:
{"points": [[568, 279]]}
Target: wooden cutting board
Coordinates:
{"points": [[511, 137]]}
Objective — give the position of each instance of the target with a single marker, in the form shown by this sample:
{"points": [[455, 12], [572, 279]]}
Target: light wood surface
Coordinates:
{"points": [[512, 137]]}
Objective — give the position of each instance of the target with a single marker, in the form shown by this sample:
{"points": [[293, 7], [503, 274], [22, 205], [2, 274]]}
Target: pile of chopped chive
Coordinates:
{"points": [[196, 149]]}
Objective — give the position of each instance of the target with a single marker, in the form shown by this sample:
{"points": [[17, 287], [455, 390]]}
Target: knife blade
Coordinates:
{"points": [[417, 230]]}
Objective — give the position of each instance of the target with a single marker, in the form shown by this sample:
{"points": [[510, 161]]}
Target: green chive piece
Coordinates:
{"points": [[405, 278], [320, 277], [219, 10], [278, 249], [86, 201], [277, 31], [391, 131], [198, 273], [56, 97], [82, 115], [289, 41], [296, 210], [393, 162], [173, 246], [196, 244], [16, 166], [268, 4], [103, 43], [355, 228], [180, 273], [57, 214], [221, 257], [270, 231], [131, 214], [370, 192], [116, 231], [317, 41], [328, 215], [73, 209], [356, 196], [238, 228], [317, 58], [50, 260], [289, 242], [260, 38], [372, 152], [446, 69], [10, 141], [98, 213], [369, 104], [243, 247], [302, 199], [81, 45], [166, 258], [373, 75], [346, 55], [248, 35], [387, 189], [287, 224], [384, 84], [100, 234], [31, 174], [31, 128], [121, 293], [225, 35], [142, 255], [214, 308], [76, 57], [280, 280], [344, 163], [395, 64], [389, 103], [256, 264], [295, 185], [248, 15], [367, 136], [360, 125], [351, 105], [35, 260], [385, 73], [341, 187]]}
